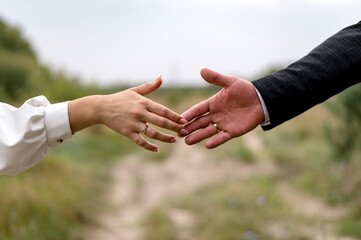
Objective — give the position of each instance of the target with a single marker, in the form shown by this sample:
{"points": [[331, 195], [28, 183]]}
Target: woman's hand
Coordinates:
{"points": [[127, 113]]}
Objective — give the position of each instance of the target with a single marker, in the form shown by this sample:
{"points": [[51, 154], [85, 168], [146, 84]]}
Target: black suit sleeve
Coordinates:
{"points": [[327, 70]]}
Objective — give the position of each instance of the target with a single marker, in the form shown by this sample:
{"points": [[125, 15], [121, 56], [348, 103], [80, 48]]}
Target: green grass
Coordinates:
{"points": [[249, 209], [97, 145], [244, 153], [308, 162], [236, 149], [60, 195], [350, 227], [45, 202], [158, 226]]}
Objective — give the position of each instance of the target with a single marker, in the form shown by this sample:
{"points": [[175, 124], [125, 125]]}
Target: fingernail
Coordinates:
{"points": [[156, 150], [158, 78], [183, 121], [172, 140], [184, 132]]}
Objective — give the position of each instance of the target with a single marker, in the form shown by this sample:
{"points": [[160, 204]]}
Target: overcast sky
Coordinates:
{"points": [[115, 41]]}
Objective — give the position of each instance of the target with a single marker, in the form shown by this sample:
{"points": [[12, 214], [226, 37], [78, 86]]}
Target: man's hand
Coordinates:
{"points": [[235, 110]]}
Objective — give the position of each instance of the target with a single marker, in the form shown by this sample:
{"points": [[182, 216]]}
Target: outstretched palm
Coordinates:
{"points": [[236, 110]]}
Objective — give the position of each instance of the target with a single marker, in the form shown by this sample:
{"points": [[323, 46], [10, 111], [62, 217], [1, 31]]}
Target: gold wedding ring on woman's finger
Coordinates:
{"points": [[144, 131]]}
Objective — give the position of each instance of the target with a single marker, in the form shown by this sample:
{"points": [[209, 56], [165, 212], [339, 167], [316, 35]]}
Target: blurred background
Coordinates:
{"points": [[299, 181]]}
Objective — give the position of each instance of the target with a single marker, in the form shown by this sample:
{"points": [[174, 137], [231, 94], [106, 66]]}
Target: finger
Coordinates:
{"points": [[218, 140], [139, 140], [196, 111], [154, 134], [165, 112], [215, 78], [197, 124], [148, 87], [205, 133], [162, 122]]}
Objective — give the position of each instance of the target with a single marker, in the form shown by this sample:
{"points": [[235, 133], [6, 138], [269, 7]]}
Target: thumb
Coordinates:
{"points": [[148, 87], [215, 78]]}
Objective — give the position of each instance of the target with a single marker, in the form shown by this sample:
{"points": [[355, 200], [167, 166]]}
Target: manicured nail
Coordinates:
{"points": [[184, 132], [172, 140], [183, 121], [158, 78], [156, 150]]}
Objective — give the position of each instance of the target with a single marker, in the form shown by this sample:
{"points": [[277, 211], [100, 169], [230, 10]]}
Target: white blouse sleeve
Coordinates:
{"points": [[29, 132]]}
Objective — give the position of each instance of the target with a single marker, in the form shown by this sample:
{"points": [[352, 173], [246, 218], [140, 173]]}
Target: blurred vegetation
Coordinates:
{"points": [[11, 40], [32, 208], [234, 210], [344, 137], [18, 63], [22, 75], [159, 226], [52, 200], [344, 132], [319, 153]]}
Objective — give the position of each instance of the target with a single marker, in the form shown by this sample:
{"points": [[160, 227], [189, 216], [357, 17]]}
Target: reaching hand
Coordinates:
{"points": [[235, 110], [127, 113]]}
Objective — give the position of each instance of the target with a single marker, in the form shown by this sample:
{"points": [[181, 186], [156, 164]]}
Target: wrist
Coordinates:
{"points": [[84, 112], [95, 110]]}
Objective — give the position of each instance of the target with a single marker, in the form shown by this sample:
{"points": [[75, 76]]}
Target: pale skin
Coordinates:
{"points": [[236, 110], [127, 113]]}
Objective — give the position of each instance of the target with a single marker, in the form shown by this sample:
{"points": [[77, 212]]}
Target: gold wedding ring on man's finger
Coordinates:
{"points": [[144, 131], [216, 126]]}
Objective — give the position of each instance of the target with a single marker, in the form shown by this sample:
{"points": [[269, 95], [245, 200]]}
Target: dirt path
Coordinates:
{"points": [[140, 184]]}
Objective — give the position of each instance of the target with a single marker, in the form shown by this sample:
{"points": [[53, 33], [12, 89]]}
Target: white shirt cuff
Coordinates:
{"points": [[266, 115], [57, 123]]}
